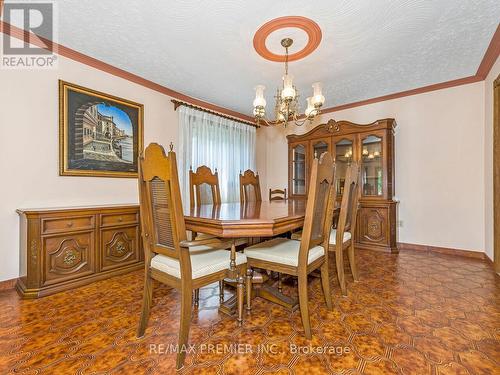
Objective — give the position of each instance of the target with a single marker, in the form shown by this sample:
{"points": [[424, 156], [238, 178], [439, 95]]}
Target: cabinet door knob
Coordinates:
{"points": [[70, 224]]}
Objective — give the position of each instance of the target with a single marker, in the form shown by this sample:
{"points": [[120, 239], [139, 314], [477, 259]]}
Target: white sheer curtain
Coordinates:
{"points": [[217, 142]]}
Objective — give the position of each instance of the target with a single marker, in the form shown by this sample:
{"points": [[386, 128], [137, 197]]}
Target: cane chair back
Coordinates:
{"points": [[162, 218], [320, 204], [349, 203]]}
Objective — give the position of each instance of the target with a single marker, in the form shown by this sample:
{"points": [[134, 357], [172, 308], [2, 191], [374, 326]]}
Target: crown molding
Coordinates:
{"points": [[74, 55], [420, 90], [489, 58]]}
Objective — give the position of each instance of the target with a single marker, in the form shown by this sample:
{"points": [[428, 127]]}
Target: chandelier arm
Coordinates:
{"points": [[287, 107], [300, 123], [267, 122]]}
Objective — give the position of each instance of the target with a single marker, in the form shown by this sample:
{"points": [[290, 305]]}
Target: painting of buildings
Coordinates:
{"points": [[100, 135]]}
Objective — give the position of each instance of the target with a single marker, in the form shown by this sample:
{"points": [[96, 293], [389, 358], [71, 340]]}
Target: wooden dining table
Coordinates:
{"points": [[250, 220]]}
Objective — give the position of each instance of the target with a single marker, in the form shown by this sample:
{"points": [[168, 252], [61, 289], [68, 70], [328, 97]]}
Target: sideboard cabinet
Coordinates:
{"points": [[65, 248], [371, 145]]}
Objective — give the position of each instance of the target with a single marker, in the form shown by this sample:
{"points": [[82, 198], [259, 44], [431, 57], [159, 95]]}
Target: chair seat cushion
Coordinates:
{"points": [[282, 251], [203, 262], [333, 236]]}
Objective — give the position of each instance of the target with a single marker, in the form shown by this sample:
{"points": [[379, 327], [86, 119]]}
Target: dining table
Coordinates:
{"points": [[257, 219]]}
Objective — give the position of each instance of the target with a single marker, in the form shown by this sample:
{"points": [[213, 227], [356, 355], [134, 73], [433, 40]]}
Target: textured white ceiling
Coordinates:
{"points": [[204, 48]]}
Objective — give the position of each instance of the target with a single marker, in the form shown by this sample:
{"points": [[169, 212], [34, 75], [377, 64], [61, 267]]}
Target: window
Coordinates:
{"points": [[217, 142]]}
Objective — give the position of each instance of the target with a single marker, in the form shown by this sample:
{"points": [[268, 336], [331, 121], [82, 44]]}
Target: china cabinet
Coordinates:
{"points": [[371, 145]]}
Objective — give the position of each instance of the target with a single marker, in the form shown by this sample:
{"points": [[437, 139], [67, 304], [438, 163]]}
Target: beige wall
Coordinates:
{"points": [[261, 159], [439, 163], [488, 157], [29, 146]]}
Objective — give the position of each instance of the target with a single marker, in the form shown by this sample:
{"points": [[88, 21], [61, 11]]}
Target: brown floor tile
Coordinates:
{"points": [[380, 367], [411, 313], [478, 363]]}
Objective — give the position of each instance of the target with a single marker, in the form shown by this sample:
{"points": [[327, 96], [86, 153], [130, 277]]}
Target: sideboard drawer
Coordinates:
{"points": [[119, 219], [66, 224]]}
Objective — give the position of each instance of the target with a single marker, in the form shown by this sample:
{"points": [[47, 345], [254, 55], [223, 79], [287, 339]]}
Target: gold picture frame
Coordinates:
{"points": [[100, 135]]}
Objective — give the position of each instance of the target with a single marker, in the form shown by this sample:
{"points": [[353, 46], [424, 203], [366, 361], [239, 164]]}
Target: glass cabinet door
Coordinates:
{"points": [[299, 169], [343, 159], [372, 167], [318, 148]]}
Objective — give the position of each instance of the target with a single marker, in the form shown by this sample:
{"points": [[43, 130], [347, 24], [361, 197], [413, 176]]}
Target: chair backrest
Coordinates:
{"points": [[162, 218], [349, 203], [320, 205], [249, 187], [203, 187], [277, 195]]}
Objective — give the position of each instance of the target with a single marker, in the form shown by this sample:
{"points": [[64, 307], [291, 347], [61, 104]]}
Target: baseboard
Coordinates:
{"points": [[489, 260], [443, 250], [8, 284]]}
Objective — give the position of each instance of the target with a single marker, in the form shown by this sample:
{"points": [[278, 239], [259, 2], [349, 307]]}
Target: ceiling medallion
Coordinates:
{"points": [[309, 26], [287, 99]]}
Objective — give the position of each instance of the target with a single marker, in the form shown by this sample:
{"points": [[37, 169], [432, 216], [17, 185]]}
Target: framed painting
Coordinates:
{"points": [[100, 135]]}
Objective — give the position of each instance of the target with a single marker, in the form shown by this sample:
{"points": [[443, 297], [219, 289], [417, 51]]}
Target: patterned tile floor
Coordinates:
{"points": [[412, 313]]}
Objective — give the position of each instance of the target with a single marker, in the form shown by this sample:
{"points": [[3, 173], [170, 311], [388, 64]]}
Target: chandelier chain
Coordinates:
{"points": [[286, 60]]}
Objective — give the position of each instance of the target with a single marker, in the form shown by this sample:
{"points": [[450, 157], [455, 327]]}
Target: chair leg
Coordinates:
{"points": [[146, 305], [325, 282], [249, 288], [221, 291], [240, 297], [196, 297], [186, 303], [352, 261], [339, 260], [303, 304]]}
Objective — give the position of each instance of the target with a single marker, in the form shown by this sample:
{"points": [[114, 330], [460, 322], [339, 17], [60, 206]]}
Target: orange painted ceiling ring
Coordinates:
{"points": [[309, 26]]}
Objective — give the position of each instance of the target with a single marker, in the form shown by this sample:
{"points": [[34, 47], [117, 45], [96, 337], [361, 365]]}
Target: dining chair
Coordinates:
{"points": [[250, 187], [203, 186], [204, 189], [301, 258], [277, 195], [342, 237], [169, 257]]}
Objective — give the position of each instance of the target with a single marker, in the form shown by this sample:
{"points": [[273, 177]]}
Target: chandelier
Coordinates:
{"points": [[287, 109]]}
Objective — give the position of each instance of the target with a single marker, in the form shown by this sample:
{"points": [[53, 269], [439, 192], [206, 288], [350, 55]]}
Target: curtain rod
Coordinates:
{"points": [[178, 103]]}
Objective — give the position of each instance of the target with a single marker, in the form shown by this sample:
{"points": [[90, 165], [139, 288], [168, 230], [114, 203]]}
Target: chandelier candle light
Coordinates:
{"points": [[287, 100]]}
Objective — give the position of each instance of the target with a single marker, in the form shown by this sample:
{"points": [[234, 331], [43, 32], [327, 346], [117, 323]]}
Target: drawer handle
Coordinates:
{"points": [[70, 224], [120, 219]]}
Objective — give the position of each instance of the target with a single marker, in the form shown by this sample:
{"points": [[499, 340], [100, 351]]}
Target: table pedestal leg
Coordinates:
{"points": [[262, 286]]}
